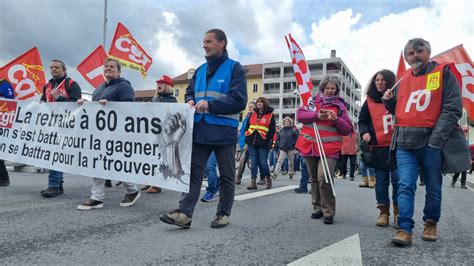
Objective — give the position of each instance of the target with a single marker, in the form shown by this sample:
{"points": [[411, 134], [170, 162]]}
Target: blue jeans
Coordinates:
{"points": [[384, 178], [55, 178], [408, 162], [364, 170], [304, 173], [272, 157], [258, 156], [211, 173]]}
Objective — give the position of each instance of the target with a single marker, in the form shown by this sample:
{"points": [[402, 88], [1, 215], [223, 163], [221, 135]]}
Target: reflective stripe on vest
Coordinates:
{"points": [[330, 137], [261, 125], [218, 86]]}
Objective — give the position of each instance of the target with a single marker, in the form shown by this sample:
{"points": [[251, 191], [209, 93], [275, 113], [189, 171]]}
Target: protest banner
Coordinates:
{"points": [[26, 74], [144, 143]]}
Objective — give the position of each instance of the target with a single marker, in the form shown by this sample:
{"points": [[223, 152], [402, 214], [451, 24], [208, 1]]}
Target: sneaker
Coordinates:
{"points": [[52, 192], [274, 176], [402, 238], [284, 173], [130, 199], [317, 215], [90, 204], [301, 190], [177, 218], [429, 233], [220, 221], [328, 220], [207, 197]]}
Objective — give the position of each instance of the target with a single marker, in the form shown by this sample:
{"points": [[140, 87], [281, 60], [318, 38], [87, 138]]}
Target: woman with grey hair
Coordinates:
{"points": [[330, 116]]}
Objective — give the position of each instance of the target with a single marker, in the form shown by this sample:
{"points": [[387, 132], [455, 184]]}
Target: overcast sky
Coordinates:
{"points": [[367, 34]]}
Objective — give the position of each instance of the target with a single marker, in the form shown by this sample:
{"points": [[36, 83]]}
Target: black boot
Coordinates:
{"points": [[4, 178], [52, 191]]}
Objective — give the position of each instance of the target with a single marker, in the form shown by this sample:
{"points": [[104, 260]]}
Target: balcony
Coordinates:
{"points": [[271, 76], [271, 91]]}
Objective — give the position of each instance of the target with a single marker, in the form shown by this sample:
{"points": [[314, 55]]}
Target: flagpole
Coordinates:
{"points": [[104, 35]]}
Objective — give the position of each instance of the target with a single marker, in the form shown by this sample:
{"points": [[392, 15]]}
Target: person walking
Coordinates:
{"points": [[427, 107], [376, 130], [258, 136], [116, 89], [244, 148], [7, 92], [60, 88], [163, 94], [333, 122], [286, 141], [218, 92]]}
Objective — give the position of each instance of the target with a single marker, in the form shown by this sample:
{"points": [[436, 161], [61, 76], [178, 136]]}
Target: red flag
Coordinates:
{"points": [[91, 68], [302, 73], [26, 74], [464, 71], [127, 50], [401, 67]]}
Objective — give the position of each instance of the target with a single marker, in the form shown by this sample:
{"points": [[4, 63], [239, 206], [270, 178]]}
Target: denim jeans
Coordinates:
{"points": [[304, 173], [408, 162], [55, 178], [366, 171], [212, 177], [384, 178], [258, 156]]}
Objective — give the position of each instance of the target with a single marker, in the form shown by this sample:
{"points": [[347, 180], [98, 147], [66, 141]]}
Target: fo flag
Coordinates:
{"points": [[401, 67], [464, 71], [91, 68], [302, 73], [127, 50], [26, 74]]}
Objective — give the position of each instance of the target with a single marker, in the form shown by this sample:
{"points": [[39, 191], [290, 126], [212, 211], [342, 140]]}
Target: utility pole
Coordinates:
{"points": [[104, 36]]}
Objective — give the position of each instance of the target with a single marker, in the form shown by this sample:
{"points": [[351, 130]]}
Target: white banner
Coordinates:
{"points": [[144, 143]]}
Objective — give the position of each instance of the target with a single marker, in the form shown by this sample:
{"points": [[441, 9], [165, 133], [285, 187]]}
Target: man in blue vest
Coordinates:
{"points": [[218, 92]]}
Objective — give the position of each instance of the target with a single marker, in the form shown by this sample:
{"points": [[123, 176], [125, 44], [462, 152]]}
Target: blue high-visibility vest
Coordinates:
{"points": [[219, 86]]}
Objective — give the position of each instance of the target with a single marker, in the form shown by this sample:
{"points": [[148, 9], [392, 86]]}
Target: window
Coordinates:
{"points": [[176, 93], [255, 88]]}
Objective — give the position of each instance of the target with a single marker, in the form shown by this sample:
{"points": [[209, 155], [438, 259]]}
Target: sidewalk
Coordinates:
{"points": [[470, 180]]}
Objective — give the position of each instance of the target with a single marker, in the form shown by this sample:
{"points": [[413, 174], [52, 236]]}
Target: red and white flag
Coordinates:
{"points": [[91, 68], [302, 73], [26, 74], [127, 50], [401, 67], [464, 71]]}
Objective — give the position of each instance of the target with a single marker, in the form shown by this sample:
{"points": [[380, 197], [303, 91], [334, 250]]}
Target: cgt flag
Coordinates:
{"points": [[26, 74], [127, 50], [464, 71], [301, 69], [91, 68]]}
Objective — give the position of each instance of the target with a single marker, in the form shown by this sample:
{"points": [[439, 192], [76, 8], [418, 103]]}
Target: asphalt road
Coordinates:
{"points": [[271, 229]]}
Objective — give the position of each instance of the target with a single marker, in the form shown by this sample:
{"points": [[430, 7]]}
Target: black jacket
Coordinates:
{"points": [[116, 90]]}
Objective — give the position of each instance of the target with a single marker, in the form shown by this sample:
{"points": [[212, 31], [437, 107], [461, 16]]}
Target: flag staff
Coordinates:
{"points": [[104, 36]]}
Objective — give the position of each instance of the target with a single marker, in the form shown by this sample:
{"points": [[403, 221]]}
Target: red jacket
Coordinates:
{"points": [[349, 144]]}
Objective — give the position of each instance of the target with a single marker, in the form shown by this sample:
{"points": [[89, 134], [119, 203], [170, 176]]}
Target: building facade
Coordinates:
{"points": [[279, 85]]}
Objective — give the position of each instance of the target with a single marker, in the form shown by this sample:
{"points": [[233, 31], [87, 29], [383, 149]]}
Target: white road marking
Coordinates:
{"points": [[263, 193], [344, 252]]}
